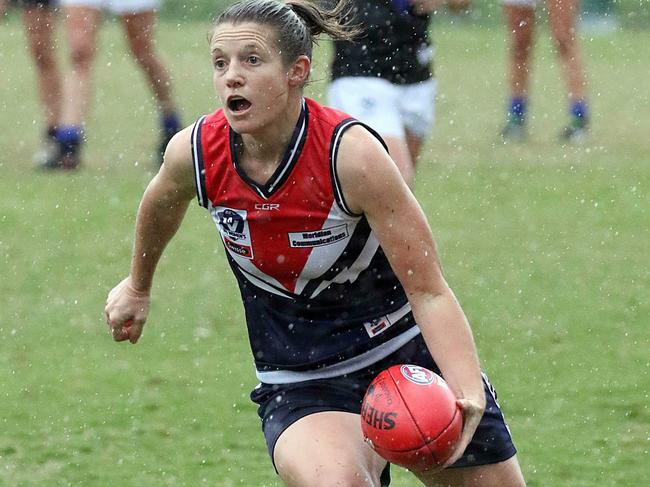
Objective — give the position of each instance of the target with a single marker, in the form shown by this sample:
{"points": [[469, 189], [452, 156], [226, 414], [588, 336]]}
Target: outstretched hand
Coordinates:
{"points": [[126, 311], [472, 413]]}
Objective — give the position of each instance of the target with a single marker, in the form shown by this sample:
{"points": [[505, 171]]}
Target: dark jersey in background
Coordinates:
{"points": [[394, 45]]}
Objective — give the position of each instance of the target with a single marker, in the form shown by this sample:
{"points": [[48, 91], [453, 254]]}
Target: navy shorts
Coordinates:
{"points": [[281, 405], [35, 3]]}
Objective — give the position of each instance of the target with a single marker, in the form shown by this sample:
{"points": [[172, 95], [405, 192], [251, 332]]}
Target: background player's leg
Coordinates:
{"points": [[417, 109], [327, 448], [140, 28], [521, 23], [414, 144], [40, 31], [82, 23], [563, 14]]}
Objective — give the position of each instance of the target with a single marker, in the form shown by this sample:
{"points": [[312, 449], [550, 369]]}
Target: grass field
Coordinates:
{"points": [[546, 246]]}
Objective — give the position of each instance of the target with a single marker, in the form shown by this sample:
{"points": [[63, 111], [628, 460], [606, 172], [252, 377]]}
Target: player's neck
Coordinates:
{"points": [[269, 144]]}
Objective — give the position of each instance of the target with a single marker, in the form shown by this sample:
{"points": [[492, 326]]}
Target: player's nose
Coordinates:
{"points": [[234, 76]]}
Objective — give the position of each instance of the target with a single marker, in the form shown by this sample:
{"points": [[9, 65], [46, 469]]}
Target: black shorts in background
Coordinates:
{"points": [[35, 3]]}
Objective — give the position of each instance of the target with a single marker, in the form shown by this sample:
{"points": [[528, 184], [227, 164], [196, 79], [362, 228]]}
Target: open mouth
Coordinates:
{"points": [[238, 104]]}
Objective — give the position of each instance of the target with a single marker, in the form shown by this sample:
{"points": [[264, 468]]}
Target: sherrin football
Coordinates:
{"points": [[409, 416]]}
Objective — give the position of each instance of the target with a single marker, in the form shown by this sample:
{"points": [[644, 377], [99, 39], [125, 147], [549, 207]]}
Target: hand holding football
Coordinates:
{"points": [[409, 416]]}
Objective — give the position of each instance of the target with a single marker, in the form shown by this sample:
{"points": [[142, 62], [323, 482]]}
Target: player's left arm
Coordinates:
{"points": [[372, 185]]}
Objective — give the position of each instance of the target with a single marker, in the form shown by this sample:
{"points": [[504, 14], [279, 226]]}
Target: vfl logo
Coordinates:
{"points": [[418, 375], [231, 223], [233, 228]]}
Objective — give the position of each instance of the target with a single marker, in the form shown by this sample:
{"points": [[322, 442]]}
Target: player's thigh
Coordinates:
{"points": [[139, 28], [91, 4], [39, 26], [502, 474], [373, 101], [129, 7], [414, 144], [82, 25], [562, 16], [327, 448]]}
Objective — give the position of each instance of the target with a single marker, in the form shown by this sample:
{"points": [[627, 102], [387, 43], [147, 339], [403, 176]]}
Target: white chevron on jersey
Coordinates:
{"points": [[351, 273], [322, 258], [263, 285]]}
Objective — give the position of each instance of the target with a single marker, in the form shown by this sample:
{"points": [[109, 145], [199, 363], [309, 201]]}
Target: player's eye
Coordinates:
{"points": [[253, 59], [219, 64]]}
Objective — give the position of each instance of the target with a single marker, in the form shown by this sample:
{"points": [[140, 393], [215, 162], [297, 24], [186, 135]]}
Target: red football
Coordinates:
{"points": [[410, 417]]}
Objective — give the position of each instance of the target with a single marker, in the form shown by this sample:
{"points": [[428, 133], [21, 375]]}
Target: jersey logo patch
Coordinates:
{"points": [[376, 326], [233, 227], [318, 238]]}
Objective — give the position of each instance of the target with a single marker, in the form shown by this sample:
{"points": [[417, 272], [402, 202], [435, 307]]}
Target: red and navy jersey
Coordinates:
{"points": [[319, 294]]}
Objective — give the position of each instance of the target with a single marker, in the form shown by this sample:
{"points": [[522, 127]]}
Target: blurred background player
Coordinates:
{"points": [[83, 18], [385, 78], [39, 18], [520, 15]]}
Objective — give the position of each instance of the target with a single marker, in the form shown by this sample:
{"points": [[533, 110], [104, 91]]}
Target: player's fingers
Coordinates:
{"points": [[120, 333], [459, 449], [119, 326], [107, 314], [116, 317], [135, 331], [472, 414]]}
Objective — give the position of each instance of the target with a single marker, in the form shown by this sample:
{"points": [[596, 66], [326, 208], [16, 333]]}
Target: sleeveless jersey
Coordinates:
{"points": [[319, 295], [394, 44]]}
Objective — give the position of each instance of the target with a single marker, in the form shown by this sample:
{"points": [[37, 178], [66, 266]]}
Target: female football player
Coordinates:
{"points": [[335, 261]]}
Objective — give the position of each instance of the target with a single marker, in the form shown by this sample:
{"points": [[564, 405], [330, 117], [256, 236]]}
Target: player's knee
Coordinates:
{"points": [[343, 479], [144, 55], [564, 44], [81, 55], [521, 48], [44, 60], [333, 476]]}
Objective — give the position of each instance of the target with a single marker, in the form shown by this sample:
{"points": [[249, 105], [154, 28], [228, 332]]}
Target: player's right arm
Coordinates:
{"points": [[161, 212]]}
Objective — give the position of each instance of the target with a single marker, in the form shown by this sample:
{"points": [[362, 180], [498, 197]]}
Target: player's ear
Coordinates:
{"points": [[299, 71]]}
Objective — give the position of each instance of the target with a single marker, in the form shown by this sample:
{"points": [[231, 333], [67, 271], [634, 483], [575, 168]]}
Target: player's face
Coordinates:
{"points": [[250, 77]]}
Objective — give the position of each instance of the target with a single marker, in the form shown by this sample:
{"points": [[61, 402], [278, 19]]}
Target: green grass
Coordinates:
{"points": [[546, 247]]}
